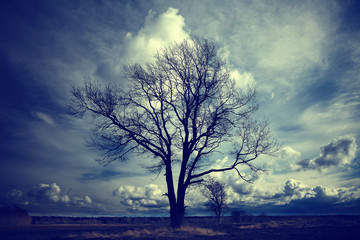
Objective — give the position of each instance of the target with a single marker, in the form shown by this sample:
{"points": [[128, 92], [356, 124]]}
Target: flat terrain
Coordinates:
{"points": [[334, 227]]}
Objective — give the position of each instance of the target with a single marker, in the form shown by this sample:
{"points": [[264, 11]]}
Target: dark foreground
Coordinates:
{"points": [[334, 227]]}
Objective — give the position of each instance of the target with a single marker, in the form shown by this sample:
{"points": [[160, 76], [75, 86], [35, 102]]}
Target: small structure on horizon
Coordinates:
{"points": [[14, 215]]}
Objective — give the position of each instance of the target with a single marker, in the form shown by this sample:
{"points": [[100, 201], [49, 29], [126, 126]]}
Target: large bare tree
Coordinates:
{"points": [[182, 109]]}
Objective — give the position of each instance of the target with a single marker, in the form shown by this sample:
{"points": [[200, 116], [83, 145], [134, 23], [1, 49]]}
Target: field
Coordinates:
{"points": [[309, 227]]}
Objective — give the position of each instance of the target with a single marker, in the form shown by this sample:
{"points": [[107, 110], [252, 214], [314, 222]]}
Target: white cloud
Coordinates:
{"points": [[287, 152], [241, 187], [46, 193], [45, 118], [338, 152], [87, 199], [51, 194], [284, 162], [157, 32], [218, 164], [322, 192], [82, 201], [141, 198], [129, 192], [266, 191], [243, 80], [295, 189], [65, 198]]}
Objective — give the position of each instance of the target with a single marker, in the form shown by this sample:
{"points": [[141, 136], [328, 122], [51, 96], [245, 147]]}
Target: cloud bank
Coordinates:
{"points": [[50, 197]]}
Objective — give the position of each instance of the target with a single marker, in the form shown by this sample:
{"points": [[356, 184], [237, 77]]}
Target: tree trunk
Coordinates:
{"points": [[177, 216], [177, 210], [219, 219]]}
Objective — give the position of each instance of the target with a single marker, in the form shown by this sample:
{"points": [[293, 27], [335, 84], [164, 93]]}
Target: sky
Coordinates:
{"points": [[303, 56]]}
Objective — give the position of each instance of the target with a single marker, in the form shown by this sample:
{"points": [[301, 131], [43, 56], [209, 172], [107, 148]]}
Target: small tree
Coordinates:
{"points": [[179, 110], [216, 193]]}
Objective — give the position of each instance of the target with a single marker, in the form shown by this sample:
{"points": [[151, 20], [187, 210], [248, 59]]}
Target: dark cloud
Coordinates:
{"points": [[323, 205], [307, 206], [48, 193], [340, 151], [290, 128], [296, 188], [292, 189], [51, 193], [50, 199], [107, 175], [14, 196], [320, 199], [243, 188], [298, 198]]}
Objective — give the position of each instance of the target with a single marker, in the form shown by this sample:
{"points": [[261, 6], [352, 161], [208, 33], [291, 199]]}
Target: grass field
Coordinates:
{"points": [[311, 227]]}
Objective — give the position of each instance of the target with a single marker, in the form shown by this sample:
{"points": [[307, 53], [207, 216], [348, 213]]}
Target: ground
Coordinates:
{"points": [[285, 228]]}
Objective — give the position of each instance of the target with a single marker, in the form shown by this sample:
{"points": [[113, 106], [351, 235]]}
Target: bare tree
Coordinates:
{"points": [[215, 192], [181, 109]]}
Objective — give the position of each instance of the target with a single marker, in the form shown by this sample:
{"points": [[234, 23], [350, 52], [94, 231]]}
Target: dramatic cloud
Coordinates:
{"points": [[47, 193], [141, 198], [294, 188], [51, 194], [157, 32], [242, 188], [50, 199], [295, 197], [338, 152], [323, 192], [319, 199]]}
